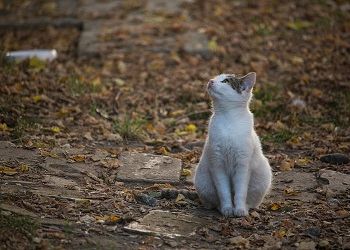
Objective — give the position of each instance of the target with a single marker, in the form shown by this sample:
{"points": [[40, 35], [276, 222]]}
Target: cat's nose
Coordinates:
{"points": [[210, 83]]}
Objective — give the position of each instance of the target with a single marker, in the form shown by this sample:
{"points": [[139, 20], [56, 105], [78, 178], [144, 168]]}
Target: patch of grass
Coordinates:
{"points": [[23, 124], [78, 87], [263, 29], [267, 101], [339, 108], [93, 106], [8, 66], [130, 128], [278, 137], [22, 224]]}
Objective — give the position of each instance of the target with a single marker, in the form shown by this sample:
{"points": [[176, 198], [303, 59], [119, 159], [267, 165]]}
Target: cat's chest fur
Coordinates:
{"points": [[230, 130]]}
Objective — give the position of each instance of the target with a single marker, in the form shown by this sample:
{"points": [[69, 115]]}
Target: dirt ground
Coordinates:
{"points": [[131, 76]]}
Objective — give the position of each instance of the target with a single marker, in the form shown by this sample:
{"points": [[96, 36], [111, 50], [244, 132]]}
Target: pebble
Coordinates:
{"points": [[323, 243], [146, 199], [336, 159]]}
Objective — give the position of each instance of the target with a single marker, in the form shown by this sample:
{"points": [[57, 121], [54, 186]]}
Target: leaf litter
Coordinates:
{"points": [[139, 98]]}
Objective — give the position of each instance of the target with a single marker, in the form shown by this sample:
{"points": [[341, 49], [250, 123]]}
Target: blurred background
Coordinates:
{"points": [[136, 70]]}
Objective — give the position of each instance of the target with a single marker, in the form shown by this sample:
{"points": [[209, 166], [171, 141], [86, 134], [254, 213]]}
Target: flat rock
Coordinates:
{"points": [[165, 6], [293, 185], [59, 181], [165, 223], [335, 181], [298, 180], [149, 168], [93, 9], [9, 151], [335, 159], [17, 210]]}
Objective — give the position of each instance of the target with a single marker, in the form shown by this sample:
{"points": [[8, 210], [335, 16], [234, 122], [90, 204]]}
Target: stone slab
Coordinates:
{"points": [[165, 6], [298, 180], [9, 151], [166, 223], [149, 168], [301, 186], [337, 182]]}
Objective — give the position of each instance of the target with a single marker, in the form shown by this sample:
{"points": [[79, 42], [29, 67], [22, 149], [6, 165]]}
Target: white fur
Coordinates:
{"points": [[232, 168]]}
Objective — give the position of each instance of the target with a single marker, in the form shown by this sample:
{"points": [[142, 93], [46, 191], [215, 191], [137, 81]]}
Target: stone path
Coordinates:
{"points": [[110, 26], [64, 179]]}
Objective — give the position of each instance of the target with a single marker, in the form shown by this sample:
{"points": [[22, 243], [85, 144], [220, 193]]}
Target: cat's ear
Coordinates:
{"points": [[248, 81]]}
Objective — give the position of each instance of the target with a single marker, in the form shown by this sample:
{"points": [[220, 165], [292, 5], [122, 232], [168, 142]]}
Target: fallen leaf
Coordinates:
{"points": [[239, 241], [299, 25], [286, 165], [7, 170], [24, 167], [290, 191], [36, 64], [186, 172], [280, 233], [306, 245], [275, 206], [37, 98], [3, 127], [191, 128], [180, 198], [343, 213], [112, 219], [55, 129], [302, 162], [213, 45], [78, 158]]}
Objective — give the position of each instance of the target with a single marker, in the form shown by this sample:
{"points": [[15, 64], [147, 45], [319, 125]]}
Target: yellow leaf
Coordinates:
{"points": [[290, 191], [298, 25], [213, 45], [96, 81], [24, 167], [296, 60], [302, 161], [218, 11], [186, 172], [113, 218], [36, 64], [180, 198], [78, 158], [275, 206], [178, 112], [191, 128], [55, 129], [286, 165], [63, 111], [37, 98], [163, 151], [281, 233], [3, 127], [7, 170]]}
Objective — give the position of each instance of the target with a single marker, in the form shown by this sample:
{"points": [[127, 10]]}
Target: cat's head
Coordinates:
{"points": [[228, 88]]}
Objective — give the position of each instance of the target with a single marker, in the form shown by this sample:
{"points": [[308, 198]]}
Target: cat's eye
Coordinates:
{"points": [[225, 80]]}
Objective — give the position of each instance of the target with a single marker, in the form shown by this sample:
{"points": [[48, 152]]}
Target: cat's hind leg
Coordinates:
{"points": [[259, 184], [205, 188]]}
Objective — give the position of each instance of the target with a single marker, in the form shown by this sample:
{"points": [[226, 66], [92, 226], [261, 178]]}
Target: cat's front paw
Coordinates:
{"points": [[227, 211], [240, 211]]}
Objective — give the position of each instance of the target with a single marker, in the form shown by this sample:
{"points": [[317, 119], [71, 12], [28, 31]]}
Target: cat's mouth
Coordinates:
{"points": [[211, 90]]}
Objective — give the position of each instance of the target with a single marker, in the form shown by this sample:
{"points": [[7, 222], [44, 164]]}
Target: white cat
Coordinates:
{"points": [[232, 164]]}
